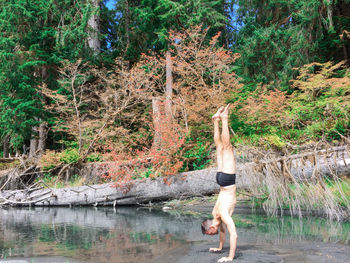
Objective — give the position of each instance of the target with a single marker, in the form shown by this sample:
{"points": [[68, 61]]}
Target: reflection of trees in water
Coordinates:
{"points": [[126, 235], [139, 235], [69, 236], [14, 235], [291, 229]]}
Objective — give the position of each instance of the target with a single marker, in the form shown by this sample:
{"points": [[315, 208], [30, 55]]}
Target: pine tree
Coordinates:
{"points": [[35, 36], [23, 45], [273, 37], [143, 26]]}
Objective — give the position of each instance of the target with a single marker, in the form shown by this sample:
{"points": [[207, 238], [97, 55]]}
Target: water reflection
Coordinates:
{"points": [[91, 235], [287, 229], [81, 235]]}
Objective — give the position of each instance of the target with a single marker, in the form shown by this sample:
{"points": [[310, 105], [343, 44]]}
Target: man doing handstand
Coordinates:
{"points": [[226, 178]]}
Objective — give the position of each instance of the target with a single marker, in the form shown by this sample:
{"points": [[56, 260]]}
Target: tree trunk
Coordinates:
{"points": [[187, 184], [345, 37], [94, 27], [6, 146], [156, 122], [42, 137], [43, 125], [169, 87], [127, 23], [330, 14], [225, 11], [33, 142]]}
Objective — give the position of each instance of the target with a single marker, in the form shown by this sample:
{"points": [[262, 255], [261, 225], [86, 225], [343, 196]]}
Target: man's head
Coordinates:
{"points": [[208, 228]]}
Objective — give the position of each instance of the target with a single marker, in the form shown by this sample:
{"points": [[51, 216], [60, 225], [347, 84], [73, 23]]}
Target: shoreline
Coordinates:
{"points": [[206, 204]]}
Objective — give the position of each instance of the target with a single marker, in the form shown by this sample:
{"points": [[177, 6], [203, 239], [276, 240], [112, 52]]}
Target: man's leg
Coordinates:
{"points": [[228, 159], [217, 138], [229, 195]]}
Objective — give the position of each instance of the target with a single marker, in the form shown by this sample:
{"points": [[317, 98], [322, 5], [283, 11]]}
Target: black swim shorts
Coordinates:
{"points": [[224, 179]]}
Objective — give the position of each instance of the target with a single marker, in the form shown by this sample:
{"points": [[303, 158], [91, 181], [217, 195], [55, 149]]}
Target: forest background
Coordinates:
{"points": [[136, 82]]}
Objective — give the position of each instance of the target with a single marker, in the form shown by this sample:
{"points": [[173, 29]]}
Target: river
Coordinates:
{"points": [[140, 235]]}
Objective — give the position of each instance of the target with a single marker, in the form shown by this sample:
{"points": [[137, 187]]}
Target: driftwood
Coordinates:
{"points": [[138, 192], [19, 177]]}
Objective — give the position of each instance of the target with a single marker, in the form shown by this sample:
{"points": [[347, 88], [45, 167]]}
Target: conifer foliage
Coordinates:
{"points": [[25, 42], [275, 36], [143, 26], [36, 36]]}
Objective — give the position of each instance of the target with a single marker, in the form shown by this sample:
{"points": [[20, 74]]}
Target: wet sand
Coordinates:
{"points": [[41, 260], [262, 249], [293, 253]]}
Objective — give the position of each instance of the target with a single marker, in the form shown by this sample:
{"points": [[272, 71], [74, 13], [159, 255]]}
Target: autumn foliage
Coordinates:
{"points": [[266, 107], [315, 107], [161, 159], [202, 80], [202, 73], [129, 114]]}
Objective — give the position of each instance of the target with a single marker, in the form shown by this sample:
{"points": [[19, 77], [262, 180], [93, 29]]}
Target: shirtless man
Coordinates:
{"points": [[226, 178]]}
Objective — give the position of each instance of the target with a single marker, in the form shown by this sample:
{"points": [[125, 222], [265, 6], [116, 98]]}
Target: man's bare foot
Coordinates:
{"points": [[224, 112], [218, 113], [214, 249], [225, 259]]}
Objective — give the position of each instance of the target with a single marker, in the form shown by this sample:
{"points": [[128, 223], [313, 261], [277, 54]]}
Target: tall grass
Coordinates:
{"points": [[307, 183]]}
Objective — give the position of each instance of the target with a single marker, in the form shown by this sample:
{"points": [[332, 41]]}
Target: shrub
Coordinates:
{"points": [[70, 156], [196, 157], [94, 157], [52, 159], [274, 141]]}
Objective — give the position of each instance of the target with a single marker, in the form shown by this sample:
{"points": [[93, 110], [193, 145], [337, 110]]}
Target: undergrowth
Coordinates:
{"points": [[317, 107]]}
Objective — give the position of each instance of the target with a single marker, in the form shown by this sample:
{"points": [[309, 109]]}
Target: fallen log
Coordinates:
{"points": [[183, 185]]}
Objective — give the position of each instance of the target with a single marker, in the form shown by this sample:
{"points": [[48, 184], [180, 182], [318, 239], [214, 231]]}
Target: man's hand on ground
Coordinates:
{"points": [[225, 259]]}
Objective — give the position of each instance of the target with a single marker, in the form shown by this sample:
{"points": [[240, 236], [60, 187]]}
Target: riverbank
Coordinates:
{"points": [[286, 239], [245, 205]]}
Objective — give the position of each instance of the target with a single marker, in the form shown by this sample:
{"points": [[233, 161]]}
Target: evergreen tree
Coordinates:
{"points": [[24, 41], [143, 25], [35, 36], [275, 36]]}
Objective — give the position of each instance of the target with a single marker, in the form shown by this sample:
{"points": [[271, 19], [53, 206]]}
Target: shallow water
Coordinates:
{"points": [[98, 235]]}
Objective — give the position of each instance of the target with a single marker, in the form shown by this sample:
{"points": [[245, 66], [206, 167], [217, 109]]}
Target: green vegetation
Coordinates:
{"points": [[196, 156], [136, 82], [341, 190], [293, 89], [338, 190], [317, 109], [275, 37], [53, 159], [52, 181]]}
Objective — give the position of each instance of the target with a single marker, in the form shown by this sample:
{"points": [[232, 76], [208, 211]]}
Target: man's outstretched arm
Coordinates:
{"points": [[233, 238], [222, 239]]}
